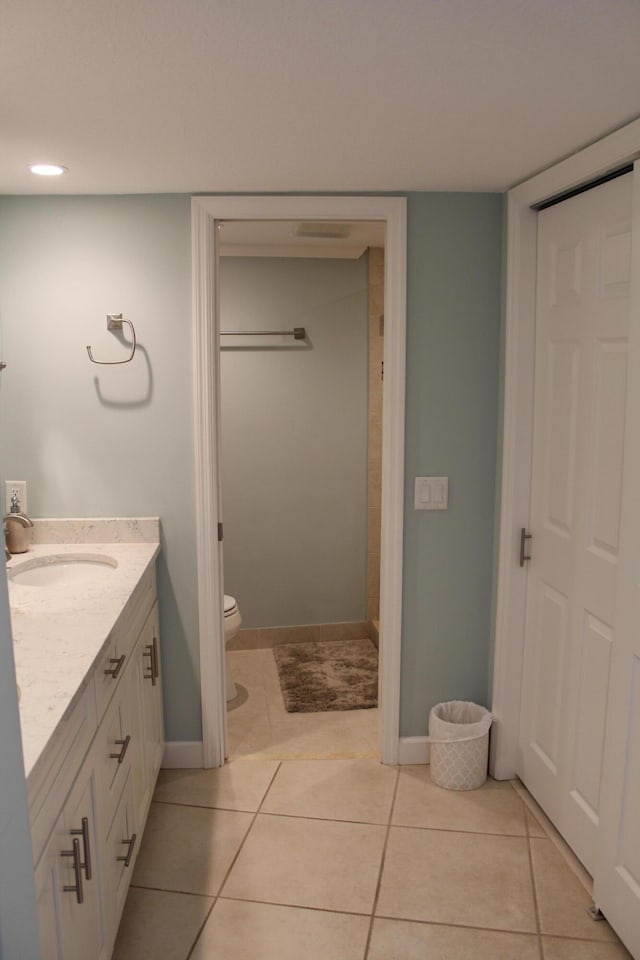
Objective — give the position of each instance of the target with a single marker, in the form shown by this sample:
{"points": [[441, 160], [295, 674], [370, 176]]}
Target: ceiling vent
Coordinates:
{"points": [[322, 231]]}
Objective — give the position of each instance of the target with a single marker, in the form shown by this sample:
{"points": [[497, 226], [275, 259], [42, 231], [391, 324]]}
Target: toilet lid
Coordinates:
{"points": [[229, 605]]}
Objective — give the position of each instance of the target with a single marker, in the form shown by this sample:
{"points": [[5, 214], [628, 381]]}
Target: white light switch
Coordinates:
{"points": [[431, 493]]}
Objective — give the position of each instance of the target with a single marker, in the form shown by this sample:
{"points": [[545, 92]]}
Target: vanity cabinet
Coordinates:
{"points": [[68, 877], [90, 806]]}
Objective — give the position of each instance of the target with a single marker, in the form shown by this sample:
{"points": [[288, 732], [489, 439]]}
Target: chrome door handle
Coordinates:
{"points": [[124, 744], [77, 869], [84, 833]]}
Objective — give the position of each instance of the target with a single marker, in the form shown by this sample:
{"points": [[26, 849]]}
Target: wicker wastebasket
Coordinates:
{"points": [[459, 739]]}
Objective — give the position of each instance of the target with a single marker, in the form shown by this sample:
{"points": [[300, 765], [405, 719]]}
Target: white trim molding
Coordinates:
{"points": [[182, 755], [609, 154], [414, 750], [206, 212]]}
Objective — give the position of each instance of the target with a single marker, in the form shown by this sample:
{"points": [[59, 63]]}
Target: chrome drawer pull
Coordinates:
{"points": [[84, 833], [151, 651], [77, 869], [148, 652], [125, 746], [132, 842], [154, 660], [114, 670]]}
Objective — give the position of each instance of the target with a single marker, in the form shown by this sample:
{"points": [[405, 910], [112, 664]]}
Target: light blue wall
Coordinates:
{"points": [[294, 439], [106, 441], [67, 261], [453, 316]]}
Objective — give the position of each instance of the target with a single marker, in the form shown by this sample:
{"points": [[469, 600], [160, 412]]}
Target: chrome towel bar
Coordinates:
{"points": [[298, 333]]}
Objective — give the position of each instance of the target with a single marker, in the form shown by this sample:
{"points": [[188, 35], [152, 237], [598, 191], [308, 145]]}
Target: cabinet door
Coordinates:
{"points": [[120, 851], [152, 702], [48, 894], [147, 764], [81, 905]]}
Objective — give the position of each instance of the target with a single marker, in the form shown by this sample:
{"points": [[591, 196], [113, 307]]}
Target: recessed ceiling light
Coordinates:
{"points": [[47, 169]]}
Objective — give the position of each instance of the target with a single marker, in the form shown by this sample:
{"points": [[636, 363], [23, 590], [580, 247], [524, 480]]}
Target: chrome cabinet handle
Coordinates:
{"points": [[84, 833], [132, 842], [117, 664], [524, 536], [125, 746], [77, 869], [151, 651], [148, 652]]}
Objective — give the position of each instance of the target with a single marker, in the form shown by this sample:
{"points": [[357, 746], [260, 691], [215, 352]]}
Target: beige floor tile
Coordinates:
{"points": [[534, 826], [240, 785], [359, 790], [337, 739], [261, 727], [402, 940], [189, 849], [555, 948], [493, 808], [457, 878], [308, 863], [159, 926], [258, 931], [562, 900]]}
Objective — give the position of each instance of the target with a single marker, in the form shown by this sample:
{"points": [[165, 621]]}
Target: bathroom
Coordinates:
{"points": [[301, 468], [118, 441]]}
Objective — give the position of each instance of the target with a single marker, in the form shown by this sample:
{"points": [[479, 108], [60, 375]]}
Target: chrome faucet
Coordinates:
{"points": [[23, 519]]}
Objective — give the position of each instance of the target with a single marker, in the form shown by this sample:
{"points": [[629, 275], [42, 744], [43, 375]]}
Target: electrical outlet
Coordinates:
{"points": [[19, 487]]}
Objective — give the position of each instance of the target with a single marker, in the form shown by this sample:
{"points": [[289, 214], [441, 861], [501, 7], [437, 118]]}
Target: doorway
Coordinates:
{"points": [[301, 403], [207, 212]]}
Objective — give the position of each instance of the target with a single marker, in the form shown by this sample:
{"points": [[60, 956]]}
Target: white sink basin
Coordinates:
{"points": [[62, 569]]}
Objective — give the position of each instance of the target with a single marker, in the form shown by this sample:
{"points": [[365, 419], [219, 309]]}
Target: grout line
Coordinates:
{"points": [[233, 862], [301, 816], [183, 893], [382, 862], [533, 885], [462, 926], [201, 806], [468, 833], [295, 906], [201, 928], [553, 834]]}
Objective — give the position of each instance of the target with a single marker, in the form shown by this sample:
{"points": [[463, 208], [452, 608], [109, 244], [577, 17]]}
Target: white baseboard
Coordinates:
{"points": [[413, 750], [183, 754]]}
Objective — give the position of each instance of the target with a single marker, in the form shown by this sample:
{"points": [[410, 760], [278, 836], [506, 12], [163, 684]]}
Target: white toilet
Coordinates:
{"points": [[232, 622]]}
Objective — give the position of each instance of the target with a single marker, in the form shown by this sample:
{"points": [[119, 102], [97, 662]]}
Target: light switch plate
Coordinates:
{"points": [[431, 493]]}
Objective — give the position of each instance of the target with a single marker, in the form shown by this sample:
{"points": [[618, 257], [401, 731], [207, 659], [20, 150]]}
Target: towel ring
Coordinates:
{"points": [[114, 322]]}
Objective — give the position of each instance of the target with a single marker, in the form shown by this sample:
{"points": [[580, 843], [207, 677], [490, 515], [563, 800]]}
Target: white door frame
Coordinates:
{"points": [[611, 153], [205, 212]]}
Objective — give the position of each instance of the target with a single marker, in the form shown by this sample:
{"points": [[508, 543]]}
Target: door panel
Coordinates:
{"points": [[578, 458], [617, 874]]}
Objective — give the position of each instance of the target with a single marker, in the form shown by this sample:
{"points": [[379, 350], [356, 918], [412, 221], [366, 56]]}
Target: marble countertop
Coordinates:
{"points": [[60, 631]]}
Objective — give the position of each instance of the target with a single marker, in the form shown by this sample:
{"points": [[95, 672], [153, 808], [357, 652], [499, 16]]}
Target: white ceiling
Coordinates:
{"points": [[308, 95]]}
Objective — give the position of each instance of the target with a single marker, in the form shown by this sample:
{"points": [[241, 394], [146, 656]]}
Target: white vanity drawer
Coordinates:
{"points": [[53, 775], [116, 744]]}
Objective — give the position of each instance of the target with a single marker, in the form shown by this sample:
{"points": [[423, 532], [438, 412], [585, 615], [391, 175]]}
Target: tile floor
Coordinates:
{"points": [[344, 859], [259, 726]]}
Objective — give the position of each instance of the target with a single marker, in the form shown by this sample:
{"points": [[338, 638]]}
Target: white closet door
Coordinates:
{"points": [[617, 874], [579, 415]]}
